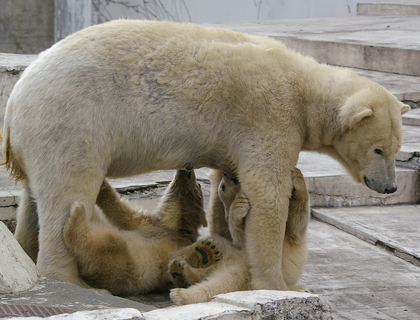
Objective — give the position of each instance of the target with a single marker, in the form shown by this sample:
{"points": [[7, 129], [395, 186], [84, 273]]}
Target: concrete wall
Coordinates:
{"points": [[205, 11], [71, 16], [31, 26], [26, 26]]}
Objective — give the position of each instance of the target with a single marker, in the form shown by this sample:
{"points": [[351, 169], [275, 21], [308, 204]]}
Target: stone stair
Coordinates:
{"points": [[397, 8], [385, 49]]}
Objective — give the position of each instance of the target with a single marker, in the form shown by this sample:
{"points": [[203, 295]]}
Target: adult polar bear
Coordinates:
{"points": [[127, 97]]}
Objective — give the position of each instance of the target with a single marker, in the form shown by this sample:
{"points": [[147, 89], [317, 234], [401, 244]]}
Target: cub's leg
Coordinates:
{"points": [[183, 275], [216, 210], [27, 224], [195, 262], [226, 278], [181, 208], [295, 242], [119, 212]]}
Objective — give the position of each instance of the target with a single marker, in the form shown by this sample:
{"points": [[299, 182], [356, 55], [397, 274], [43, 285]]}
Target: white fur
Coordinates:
{"points": [[127, 97]]}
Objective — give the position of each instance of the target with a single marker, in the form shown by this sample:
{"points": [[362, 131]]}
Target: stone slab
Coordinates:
{"points": [[329, 184], [412, 118], [388, 44], [11, 66], [53, 293], [209, 310], [411, 135], [393, 227], [359, 280], [17, 271], [106, 314], [400, 8], [405, 88], [271, 304]]}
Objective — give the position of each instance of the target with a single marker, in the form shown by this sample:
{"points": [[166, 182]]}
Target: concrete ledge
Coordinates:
{"points": [[11, 66], [396, 9], [387, 44], [18, 273], [270, 304], [377, 225], [252, 305], [198, 311], [105, 314], [329, 185], [412, 118]]}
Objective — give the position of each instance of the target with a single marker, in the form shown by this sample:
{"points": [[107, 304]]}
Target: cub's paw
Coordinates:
{"points": [[208, 253], [181, 296], [176, 272]]}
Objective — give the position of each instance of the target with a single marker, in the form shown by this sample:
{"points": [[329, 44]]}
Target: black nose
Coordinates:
{"points": [[391, 190]]}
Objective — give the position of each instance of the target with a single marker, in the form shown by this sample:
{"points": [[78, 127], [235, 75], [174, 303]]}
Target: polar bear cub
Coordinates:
{"points": [[216, 265], [128, 251]]}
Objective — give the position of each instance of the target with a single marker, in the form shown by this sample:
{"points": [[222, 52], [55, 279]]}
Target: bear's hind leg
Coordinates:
{"points": [[55, 197], [27, 224]]}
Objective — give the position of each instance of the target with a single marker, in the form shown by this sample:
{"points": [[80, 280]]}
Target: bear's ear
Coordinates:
{"points": [[352, 113], [405, 108]]}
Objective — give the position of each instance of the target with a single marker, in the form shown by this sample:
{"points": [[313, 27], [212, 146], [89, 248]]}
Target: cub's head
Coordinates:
{"points": [[370, 137], [228, 188]]}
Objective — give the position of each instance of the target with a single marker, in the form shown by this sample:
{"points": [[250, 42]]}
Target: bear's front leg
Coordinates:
{"points": [[265, 226]]}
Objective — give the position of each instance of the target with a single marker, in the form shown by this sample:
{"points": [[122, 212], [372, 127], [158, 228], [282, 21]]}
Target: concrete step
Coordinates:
{"points": [[388, 44], [400, 8], [412, 118], [11, 66], [360, 281], [394, 228], [405, 88], [328, 183]]}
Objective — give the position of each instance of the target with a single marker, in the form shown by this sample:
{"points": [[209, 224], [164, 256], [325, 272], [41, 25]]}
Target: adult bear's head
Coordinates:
{"points": [[371, 136]]}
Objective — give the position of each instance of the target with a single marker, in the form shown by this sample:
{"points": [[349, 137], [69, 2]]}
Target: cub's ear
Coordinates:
{"points": [[405, 108], [353, 112]]}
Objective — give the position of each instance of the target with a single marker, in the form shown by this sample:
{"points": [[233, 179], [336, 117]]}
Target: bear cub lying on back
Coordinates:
{"points": [[126, 251]]}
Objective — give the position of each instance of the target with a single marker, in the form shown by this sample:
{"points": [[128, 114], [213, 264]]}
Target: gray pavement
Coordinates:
{"points": [[361, 281], [396, 228], [57, 294]]}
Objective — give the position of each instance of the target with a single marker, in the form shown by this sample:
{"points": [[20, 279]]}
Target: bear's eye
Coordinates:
{"points": [[378, 151], [223, 188]]}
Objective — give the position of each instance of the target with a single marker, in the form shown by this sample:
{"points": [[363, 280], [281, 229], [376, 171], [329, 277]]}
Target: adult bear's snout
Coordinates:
{"points": [[379, 187]]}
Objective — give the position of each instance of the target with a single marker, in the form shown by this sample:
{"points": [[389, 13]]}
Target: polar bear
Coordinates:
{"points": [[128, 97], [128, 252], [216, 265]]}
